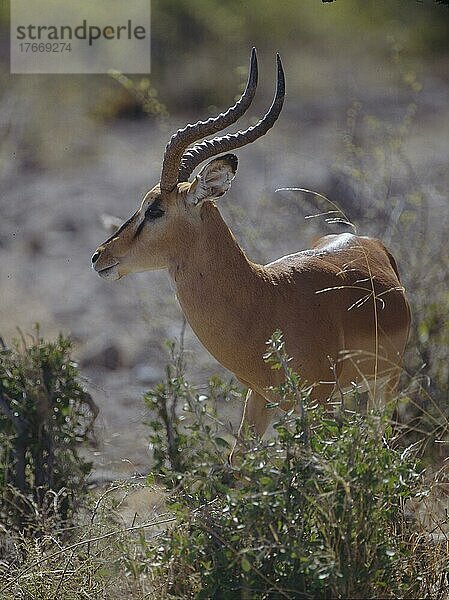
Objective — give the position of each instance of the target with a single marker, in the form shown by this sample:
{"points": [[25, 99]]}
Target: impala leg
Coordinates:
{"points": [[255, 415]]}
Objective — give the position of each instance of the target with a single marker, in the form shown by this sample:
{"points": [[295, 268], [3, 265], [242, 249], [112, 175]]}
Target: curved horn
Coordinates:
{"points": [[200, 152], [191, 133]]}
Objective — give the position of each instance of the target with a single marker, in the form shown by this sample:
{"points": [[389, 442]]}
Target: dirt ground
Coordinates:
{"points": [[57, 181]]}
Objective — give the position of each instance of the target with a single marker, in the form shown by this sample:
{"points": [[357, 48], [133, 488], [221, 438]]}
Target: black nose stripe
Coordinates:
{"points": [[95, 256]]}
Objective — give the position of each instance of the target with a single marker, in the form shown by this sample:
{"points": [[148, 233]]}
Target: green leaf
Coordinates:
{"points": [[222, 442], [246, 565]]}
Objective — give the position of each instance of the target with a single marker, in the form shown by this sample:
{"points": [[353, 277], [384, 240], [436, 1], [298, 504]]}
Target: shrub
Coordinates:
{"points": [[315, 513], [102, 557], [44, 415], [187, 436]]}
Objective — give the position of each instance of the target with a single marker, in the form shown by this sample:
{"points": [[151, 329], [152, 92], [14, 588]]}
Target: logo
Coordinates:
{"points": [[56, 36]]}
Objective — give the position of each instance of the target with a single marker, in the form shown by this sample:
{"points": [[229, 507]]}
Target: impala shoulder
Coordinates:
{"points": [[322, 247], [336, 241], [344, 242]]}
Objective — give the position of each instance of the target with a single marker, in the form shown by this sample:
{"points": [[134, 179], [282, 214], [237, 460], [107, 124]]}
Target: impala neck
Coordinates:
{"points": [[216, 285]]}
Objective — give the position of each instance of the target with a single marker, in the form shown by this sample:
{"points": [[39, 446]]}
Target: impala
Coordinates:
{"points": [[340, 304]]}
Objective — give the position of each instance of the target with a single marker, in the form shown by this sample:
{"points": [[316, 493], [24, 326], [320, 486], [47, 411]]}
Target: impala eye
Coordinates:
{"points": [[154, 210], [153, 213]]}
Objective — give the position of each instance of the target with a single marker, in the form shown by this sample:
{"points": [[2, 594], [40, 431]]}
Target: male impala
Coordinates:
{"points": [[340, 303]]}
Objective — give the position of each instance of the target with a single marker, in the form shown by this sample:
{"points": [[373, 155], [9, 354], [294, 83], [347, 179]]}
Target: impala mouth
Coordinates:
{"points": [[110, 272]]}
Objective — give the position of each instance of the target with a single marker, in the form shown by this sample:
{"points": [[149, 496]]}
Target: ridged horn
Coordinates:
{"points": [[191, 133], [201, 152]]}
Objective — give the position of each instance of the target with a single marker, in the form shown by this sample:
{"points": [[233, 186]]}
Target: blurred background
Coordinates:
{"points": [[365, 123]]}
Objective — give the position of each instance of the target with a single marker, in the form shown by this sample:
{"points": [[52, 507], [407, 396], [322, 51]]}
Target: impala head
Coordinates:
{"points": [[171, 209]]}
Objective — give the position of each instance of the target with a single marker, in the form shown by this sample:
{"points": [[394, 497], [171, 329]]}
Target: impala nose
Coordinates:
{"points": [[95, 256]]}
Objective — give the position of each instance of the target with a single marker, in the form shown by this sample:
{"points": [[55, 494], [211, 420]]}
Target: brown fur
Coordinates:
{"points": [[339, 303]]}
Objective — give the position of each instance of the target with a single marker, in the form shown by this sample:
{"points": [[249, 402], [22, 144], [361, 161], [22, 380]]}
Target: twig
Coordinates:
{"points": [[82, 543], [61, 579]]}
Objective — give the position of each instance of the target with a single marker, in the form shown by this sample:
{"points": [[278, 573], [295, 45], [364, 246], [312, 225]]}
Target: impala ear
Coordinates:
{"points": [[213, 180]]}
